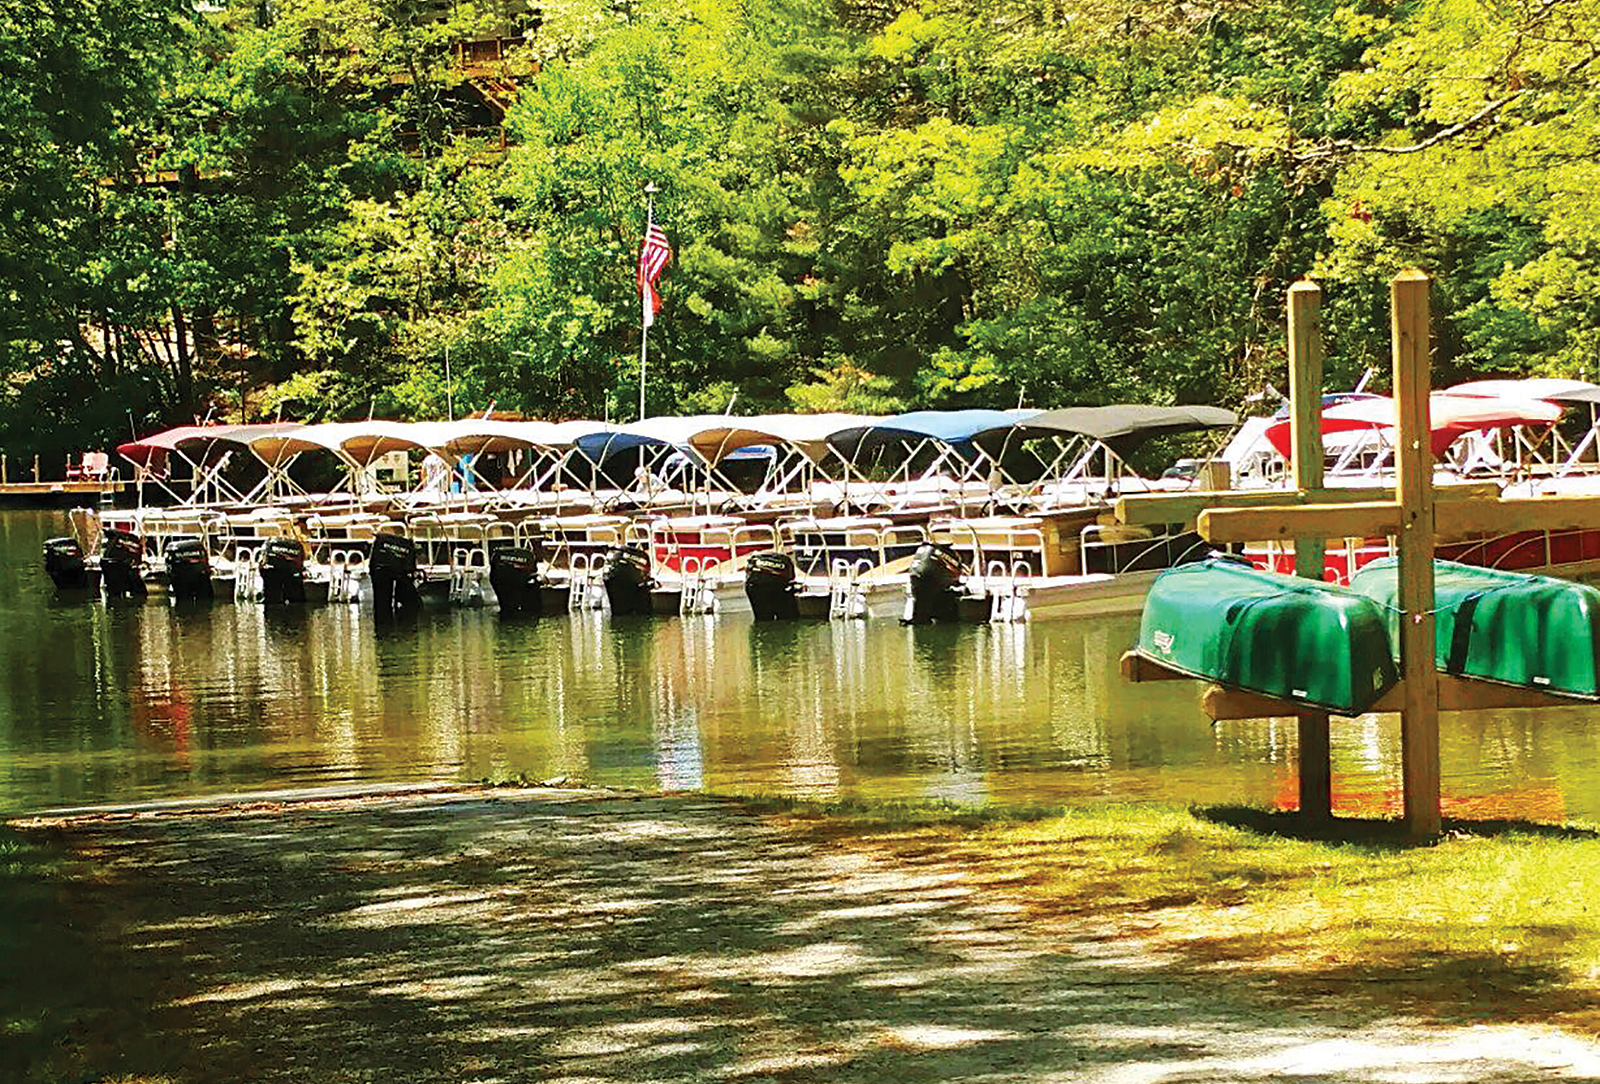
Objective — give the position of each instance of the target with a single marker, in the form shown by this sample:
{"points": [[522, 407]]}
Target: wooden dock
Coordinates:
{"points": [[56, 492]]}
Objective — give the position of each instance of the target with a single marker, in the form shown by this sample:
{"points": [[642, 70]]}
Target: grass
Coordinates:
{"points": [[55, 997], [1495, 920]]}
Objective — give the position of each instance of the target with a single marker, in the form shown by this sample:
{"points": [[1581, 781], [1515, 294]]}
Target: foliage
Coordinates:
{"points": [[304, 208]]}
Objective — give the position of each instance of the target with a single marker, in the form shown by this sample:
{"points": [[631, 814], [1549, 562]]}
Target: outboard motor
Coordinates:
{"points": [[628, 580], [769, 584], [936, 573], [63, 560], [394, 574], [121, 554], [514, 575], [188, 569], [283, 570]]}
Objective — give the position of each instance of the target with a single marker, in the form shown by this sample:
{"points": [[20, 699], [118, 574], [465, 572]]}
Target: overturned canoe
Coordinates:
{"points": [[1508, 627], [1314, 643]]}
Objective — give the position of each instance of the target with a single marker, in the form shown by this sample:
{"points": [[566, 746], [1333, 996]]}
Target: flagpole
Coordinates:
{"points": [[644, 299]]}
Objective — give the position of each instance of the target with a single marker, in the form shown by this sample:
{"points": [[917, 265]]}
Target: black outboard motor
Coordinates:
{"points": [[514, 575], [936, 574], [769, 584], [283, 570], [188, 569], [394, 574], [121, 554], [628, 580], [63, 560]]}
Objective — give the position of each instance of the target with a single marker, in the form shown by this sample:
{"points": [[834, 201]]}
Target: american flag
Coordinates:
{"points": [[653, 256]]}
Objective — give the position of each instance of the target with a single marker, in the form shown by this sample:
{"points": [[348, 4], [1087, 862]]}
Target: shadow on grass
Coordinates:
{"points": [[1167, 875], [1384, 832], [48, 960], [626, 939]]}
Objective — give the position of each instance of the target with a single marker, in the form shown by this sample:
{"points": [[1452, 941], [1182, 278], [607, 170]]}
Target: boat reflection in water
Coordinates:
{"points": [[137, 701]]}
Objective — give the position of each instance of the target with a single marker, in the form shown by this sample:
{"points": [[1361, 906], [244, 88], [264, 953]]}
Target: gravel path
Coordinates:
{"points": [[591, 938]]}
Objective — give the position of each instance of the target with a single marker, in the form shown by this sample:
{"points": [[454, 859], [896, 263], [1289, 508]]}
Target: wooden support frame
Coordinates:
{"points": [[1408, 513], [1223, 704]]}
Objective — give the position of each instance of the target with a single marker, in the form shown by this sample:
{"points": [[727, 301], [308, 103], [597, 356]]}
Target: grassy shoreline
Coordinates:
{"points": [[1493, 922]]}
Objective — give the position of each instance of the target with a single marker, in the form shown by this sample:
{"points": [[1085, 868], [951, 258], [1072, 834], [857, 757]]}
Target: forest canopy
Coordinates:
{"points": [[323, 209]]}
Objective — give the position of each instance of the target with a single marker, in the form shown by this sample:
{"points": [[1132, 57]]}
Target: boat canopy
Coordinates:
{"points": [[1452, 416], [806, 433], [156, 446], [357, 442], [1121, 426], [478, 436], [1334, 398], [1551, 389], [602, 441], [945, 426]]}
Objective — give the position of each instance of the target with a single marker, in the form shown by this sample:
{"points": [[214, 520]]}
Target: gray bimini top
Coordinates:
{"points": [[1120, 426]]}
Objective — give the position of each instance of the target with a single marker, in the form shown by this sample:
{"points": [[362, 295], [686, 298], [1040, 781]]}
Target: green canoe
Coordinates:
{"points": [[1314, 643], [1509, 627]]}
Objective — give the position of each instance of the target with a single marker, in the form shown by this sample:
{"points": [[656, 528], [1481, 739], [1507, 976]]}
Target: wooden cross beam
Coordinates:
{"points": [[1149, 509], [1222, 704], [1469, 515]]}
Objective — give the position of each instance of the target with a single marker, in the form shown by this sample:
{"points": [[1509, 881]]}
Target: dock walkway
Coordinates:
{"points": [[22, 493]]}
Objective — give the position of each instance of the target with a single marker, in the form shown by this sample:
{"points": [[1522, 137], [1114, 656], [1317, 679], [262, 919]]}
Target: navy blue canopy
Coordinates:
{"points": [[609, 440]]}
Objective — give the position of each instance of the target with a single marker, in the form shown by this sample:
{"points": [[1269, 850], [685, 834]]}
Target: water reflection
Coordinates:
{"points": [[137, 700]]}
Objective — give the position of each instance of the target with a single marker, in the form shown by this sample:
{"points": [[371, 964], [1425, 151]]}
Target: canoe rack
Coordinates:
{"points": [[1221, 703]]}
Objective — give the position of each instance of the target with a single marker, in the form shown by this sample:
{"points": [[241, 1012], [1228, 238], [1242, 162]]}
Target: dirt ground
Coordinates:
{"points": [[592, 937]]}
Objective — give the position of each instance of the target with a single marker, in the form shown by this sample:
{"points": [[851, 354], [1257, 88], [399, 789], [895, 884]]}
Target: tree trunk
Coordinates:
{"points": [[183, 363]]}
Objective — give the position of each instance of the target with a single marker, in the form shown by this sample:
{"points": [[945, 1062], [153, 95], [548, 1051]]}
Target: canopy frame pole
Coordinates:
{"points": [[276, 473], [1052, 474], [1084, 449], [1574, 461]]}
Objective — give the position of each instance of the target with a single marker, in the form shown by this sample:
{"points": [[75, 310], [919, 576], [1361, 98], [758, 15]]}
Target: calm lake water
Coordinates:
{"points": [[142, 701]]}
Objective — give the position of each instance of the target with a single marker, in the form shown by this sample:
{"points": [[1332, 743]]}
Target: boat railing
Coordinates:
{"points": [[248, 583], [565, 541], [242, 535], [818, 543], [444, 541], [997, 551], [1127, 549], [160, 530], [586, 588], [346, 568], [350, 527], [671, 549], [528, 533], [847, 596]]}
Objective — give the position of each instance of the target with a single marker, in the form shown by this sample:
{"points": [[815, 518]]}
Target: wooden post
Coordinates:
{"points": [[35, 470], [1305, 397], [1419, 718], [3, 479], [1305, 426]]}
